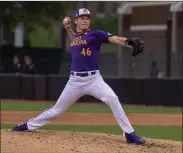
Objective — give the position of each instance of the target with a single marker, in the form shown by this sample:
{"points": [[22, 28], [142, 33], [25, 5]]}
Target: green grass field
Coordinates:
{"points": [[36, 106], [160, 132]]}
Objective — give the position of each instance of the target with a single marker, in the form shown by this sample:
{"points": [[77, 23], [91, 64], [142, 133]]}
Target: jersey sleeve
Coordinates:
{"points": [[103, 36]]}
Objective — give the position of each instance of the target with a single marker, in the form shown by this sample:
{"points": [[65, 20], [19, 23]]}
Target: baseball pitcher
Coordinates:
{"points": [[85, 77]]}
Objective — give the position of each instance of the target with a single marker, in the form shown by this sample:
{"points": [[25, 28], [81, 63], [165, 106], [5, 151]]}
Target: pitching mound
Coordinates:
{"points": [[73, 142]]}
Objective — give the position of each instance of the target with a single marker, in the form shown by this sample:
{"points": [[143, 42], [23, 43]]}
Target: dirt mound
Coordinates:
{"points": [[77, 142]]}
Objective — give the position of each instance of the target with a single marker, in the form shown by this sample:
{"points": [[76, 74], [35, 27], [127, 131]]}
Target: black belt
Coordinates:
{"points": [[83, 74]]}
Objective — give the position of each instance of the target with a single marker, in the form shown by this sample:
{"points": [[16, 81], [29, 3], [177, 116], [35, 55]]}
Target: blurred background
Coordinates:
{"points": [[33, 40], [35, 59]]}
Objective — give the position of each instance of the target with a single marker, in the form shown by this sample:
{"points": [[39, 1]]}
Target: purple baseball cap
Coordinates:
{"points": [[83, 11]]}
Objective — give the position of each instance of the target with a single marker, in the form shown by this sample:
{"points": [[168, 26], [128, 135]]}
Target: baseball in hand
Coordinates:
{"points": [[66, 21]]}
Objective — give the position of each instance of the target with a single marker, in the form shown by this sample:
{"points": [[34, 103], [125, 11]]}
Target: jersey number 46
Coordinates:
{"points": [[86, 52]]}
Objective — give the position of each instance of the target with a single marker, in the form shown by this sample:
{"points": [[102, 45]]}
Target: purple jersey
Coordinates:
{"points": [[85, 50]]}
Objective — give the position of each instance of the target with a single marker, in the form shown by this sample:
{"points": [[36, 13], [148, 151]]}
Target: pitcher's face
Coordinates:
{"points": [[83, 22]]}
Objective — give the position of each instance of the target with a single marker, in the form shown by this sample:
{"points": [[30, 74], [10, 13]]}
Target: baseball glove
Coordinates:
{"points": [[137, 44]]}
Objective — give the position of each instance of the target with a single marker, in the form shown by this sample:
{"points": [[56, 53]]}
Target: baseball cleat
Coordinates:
{"points": [[21, 127], [133, 138]]}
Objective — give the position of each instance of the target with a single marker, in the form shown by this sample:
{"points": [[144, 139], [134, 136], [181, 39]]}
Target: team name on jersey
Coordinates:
{"points": [[78, 41]]}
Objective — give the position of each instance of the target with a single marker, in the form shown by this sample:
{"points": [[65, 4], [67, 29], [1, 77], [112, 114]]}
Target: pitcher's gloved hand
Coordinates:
{"points": [[137, 44]]}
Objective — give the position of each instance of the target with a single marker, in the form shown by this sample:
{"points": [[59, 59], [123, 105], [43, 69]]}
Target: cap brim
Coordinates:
{"points": [[84, 15]]}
